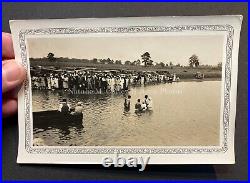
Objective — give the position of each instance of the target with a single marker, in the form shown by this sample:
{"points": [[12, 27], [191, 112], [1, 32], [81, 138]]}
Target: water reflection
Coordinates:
{"points": [[185, 113]]}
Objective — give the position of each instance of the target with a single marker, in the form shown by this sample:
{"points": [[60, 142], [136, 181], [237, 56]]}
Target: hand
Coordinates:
{"points": [[13, 75]]}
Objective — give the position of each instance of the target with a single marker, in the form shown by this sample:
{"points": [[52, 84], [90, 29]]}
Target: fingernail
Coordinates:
{"points": [[12, 71]]}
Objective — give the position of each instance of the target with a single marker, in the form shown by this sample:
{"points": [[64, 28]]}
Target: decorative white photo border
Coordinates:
{"points": [[228, 29], [228, 26]]}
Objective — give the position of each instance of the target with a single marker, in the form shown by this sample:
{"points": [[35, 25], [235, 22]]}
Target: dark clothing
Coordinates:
{"points": [[127, 104], [138, 106], [65, 108]]}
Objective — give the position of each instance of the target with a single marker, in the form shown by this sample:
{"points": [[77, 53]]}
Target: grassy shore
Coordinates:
{"points": [[182, 72], [205, 79]]}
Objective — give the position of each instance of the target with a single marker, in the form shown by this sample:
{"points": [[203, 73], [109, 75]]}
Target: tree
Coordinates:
{"points": [[109, 61], [51, 56], [194, 61], [102, 61], [162, 64], [171, 65], [197, 63], [118, 62], [127, 62], [219, 65], [150, 62], [146, 59], [136, 62], [112, 61], [95, 60]]}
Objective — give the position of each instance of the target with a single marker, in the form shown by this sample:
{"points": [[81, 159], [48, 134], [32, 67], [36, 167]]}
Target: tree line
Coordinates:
{"points": [[145, 60]]}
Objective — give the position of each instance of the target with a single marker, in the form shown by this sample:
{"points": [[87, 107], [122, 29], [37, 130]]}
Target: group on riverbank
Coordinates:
{"points": [[97, 82]]}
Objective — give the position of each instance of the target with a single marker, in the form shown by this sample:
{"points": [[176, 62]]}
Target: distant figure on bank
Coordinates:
{"points": [[127, 103], [174, 77], [64, 107], [138, 105]]}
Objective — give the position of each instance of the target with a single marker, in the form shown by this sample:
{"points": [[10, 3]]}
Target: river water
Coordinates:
{"points": [[184, 113]]}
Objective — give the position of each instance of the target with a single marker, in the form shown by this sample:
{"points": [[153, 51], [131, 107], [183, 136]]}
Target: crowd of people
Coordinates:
{"points": [[95, 82], [99, 82]]}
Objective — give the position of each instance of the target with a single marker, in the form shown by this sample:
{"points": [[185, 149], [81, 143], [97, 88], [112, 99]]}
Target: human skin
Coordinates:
{"points": [[13, 75]]}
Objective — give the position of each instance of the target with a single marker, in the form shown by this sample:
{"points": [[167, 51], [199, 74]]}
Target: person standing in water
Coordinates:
{"points": [[143, 107], [138, 105], [127, 103], [149, 102]]}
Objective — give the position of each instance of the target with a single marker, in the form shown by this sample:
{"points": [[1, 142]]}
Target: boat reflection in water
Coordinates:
{"points": [[53, 119]]}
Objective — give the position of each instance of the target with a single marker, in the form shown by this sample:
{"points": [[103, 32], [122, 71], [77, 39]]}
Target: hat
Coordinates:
{"points": [[79, 103]]}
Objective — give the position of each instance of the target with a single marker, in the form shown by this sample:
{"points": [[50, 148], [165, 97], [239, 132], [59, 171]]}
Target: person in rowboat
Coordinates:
{"points": [[64, 107], [78, 109]]}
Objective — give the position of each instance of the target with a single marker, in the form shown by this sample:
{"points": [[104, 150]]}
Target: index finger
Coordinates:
{"points": [[7, 46]]}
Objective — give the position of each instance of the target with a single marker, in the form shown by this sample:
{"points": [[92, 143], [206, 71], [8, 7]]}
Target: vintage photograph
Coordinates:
{"points": [[146, 90], [158, 89]]}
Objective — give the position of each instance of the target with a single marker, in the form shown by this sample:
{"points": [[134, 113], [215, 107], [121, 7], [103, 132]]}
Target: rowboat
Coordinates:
{"points": [[56, 117]]}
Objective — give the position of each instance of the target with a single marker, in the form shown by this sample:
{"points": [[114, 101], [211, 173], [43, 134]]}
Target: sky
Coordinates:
{"points": [[175, 49]]}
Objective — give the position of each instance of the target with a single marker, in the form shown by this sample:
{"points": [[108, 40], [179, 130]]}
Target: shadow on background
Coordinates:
{"points": [[159, 172]]}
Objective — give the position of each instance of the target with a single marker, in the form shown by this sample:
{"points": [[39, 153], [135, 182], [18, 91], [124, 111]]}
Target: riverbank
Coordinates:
{"points": [[199, 80], [183, 72]]}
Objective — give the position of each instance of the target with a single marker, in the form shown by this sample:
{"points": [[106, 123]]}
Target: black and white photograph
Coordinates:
{"points": [[144, 86], [126, 91]]}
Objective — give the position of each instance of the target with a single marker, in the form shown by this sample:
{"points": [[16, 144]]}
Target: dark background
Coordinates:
{"points": [[13, 171]]}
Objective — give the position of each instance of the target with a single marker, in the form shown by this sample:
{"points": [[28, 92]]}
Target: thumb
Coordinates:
{"points": [[13, 75]]}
